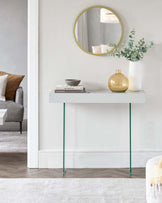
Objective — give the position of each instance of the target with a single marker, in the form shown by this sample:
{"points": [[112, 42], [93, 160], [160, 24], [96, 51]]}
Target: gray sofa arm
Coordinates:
{"points": [[19, 96]]}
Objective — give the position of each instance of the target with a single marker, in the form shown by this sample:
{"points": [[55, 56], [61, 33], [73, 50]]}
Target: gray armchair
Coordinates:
{"points": [[15, 109]]}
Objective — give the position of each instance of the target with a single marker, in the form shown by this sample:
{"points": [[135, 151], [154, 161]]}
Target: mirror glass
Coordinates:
{"points": [[96, 28]]}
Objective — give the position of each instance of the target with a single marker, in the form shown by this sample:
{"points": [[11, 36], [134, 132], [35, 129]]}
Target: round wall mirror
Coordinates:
{"points": [[96, 28]]}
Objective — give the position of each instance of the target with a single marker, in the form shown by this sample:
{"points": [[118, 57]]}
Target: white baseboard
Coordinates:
{"points": [[94, 159]]}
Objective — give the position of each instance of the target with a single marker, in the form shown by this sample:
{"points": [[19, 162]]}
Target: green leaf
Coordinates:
{"points": [[130, 50]]}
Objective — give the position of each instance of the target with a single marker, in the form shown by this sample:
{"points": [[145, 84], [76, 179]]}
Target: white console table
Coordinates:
{"points": [[97, 97]]}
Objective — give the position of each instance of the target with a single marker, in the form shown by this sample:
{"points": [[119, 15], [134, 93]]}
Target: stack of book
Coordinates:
{"points": [[69, 89]]}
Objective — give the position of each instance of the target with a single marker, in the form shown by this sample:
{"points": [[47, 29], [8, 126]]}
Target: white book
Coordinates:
{"points": [[68, 87]]}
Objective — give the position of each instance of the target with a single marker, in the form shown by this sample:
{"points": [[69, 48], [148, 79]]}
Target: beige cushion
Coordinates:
{"points": [[3, 84], [96, 49]]}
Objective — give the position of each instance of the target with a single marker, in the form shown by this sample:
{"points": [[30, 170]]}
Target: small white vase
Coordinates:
{"points": [[135, 75]]}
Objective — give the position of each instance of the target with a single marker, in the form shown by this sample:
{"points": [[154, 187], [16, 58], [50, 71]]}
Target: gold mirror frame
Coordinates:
{"points": [[87, 10]]}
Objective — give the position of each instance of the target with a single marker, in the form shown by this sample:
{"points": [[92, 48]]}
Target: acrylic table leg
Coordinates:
{"points": [[63, 139], [130, 142]]}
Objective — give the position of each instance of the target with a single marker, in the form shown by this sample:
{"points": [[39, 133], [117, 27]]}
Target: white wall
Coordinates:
{"points": [[13, 39], [98, 134]]}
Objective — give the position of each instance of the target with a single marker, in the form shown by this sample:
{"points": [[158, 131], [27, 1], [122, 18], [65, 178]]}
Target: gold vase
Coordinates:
{"points": [[118, 82]]}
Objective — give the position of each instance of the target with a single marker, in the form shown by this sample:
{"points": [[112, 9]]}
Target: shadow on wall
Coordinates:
{"points": [[151, 112], [152, 75]]}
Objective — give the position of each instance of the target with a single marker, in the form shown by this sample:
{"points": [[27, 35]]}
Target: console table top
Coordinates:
{"points": [[104, 96]]}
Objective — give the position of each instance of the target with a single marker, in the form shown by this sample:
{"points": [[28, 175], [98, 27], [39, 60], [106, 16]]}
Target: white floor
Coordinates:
{"points": [[72, 190], [13, 142]]}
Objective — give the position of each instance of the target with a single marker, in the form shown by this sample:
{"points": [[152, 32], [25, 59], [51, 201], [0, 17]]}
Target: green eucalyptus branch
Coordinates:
{"points": [[130, 50]]}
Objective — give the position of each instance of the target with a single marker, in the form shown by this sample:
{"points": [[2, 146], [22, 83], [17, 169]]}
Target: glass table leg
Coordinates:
{"points": [[130, 142], [63, 139]]}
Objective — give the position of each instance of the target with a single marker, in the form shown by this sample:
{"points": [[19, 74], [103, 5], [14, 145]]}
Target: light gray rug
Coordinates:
{"points": [[72, 190], [13, 142]]}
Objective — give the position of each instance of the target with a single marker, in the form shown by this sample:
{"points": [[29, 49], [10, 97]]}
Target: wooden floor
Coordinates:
{"points": [[13, 165]]}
